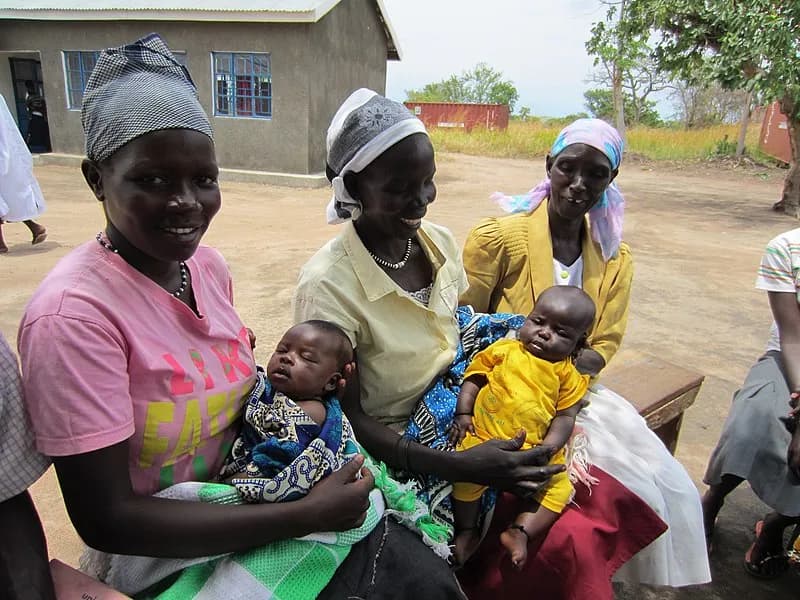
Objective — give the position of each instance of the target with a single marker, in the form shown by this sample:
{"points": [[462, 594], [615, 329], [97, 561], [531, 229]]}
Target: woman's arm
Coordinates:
{"points": [[496, 463], [793, 453], [110, 517], [786, 313], [612, 316], [24, 572]]}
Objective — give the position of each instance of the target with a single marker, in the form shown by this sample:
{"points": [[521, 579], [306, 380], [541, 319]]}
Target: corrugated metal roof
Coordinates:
{"points": [[291, 11], [300, 6]]}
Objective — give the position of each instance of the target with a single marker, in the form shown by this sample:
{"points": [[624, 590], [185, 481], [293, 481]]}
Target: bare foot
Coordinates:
{"points": [[466, 543], [515, 541]]}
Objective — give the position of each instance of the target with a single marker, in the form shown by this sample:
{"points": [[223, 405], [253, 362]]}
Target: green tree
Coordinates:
{"points": [[753, 45], [617, 49], [447, 90], [600, 103], [481, 84]]}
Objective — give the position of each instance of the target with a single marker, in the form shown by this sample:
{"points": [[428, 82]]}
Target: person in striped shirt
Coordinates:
{"points": [[760, 442]]}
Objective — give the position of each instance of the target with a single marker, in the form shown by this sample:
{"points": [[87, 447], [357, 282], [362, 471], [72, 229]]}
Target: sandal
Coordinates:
{"points": [[793, 555], [39, 237], [771, 566]]}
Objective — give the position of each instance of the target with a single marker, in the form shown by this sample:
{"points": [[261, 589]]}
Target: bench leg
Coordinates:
{"points": [[668, 433]]}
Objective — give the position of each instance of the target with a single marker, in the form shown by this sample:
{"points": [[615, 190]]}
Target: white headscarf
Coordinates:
{"points": [[364, 127]]}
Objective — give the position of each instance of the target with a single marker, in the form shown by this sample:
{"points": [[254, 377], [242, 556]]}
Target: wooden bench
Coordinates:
{"points": [[659, 390]]}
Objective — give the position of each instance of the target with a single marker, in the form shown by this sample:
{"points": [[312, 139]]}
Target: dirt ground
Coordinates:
{"points": [[697, 233]]}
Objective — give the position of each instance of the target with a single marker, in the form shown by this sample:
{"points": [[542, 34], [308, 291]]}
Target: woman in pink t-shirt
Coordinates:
{"points": [[136, 364]]}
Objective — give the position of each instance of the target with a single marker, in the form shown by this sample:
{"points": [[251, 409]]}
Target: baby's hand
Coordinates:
{"points": [[458, 430]]}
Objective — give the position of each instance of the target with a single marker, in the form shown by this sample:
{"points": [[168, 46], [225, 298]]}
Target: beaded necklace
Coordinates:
{"points": [[184, 271], [390, 265]]}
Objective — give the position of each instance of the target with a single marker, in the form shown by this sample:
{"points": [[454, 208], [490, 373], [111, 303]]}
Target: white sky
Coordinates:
{"points": [[537, 44]]}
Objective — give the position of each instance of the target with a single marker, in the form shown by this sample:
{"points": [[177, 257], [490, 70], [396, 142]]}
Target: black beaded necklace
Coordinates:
{"points": [[390, 265], [184, 270]]}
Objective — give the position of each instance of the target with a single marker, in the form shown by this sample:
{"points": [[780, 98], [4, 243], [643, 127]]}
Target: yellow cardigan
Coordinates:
{"points": [[509, 261]]}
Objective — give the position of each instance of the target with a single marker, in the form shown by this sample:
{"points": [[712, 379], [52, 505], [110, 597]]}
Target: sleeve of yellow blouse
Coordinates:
{"points": [[573, 386], [485, 263], [613, 320]]}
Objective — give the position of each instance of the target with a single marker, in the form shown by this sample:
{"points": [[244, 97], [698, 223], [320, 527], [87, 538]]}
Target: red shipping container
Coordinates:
{"points": [[460, 116], [774, 139]]}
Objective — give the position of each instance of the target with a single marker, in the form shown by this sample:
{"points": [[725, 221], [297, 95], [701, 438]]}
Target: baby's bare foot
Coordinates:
{"points": [[515, 541]]}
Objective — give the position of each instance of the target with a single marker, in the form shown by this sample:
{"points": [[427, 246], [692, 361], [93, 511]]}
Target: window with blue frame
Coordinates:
{"points": [[78, 65], [242, 85]]}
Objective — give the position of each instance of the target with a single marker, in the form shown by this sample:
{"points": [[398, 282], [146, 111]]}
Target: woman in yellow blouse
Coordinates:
{"points": [[504, 278], [391, 281], [568, 231]]}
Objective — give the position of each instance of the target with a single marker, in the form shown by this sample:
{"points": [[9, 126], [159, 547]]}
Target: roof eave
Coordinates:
{"points": [[161, 15], [393, 51]]}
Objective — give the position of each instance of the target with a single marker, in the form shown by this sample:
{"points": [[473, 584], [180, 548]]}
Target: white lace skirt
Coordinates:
{"points": [[621, 444]]}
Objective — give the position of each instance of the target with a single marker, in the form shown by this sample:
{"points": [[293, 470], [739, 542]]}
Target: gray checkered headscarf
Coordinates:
{"points": [[136, 89], [365, 126]]}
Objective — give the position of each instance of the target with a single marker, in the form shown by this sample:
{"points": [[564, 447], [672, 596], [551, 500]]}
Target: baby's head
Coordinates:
{"points": [[309, 360], [559, 323]]}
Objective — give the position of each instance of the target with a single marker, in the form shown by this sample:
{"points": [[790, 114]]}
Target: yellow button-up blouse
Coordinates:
{"points": [[402, 345]]}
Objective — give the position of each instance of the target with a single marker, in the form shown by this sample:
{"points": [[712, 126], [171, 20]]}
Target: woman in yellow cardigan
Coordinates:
{"points": [[504, 278], [568, 231]]}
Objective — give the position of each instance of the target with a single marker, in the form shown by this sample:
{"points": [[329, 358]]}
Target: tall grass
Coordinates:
{"points": [[532, 139]]}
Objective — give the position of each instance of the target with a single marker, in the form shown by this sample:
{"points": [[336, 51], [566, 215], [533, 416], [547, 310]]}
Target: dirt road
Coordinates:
{"points": [[696, 232]]}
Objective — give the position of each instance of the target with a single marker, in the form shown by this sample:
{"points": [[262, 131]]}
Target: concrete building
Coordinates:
{"points": [[270, 73]]}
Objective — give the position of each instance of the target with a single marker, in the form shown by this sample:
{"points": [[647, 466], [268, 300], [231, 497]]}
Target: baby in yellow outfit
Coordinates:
{"points": [[530, 384]]}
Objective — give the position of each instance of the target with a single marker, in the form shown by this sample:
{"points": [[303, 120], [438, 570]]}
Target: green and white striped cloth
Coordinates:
{"points": [[294, 569]]}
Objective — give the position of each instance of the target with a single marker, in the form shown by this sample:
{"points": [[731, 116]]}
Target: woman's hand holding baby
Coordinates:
{"points": [[349, 379], [501, 464], [340, 501], [590, 362]]}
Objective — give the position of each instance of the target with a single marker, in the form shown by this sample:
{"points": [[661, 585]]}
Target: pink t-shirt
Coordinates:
{"points": [[108, 355]]}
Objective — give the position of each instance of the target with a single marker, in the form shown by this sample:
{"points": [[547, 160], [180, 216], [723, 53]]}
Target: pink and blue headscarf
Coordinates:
{"points": [[605, 218]]}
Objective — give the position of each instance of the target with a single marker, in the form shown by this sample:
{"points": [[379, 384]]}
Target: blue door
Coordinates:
{"points": [[26, 73]]}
